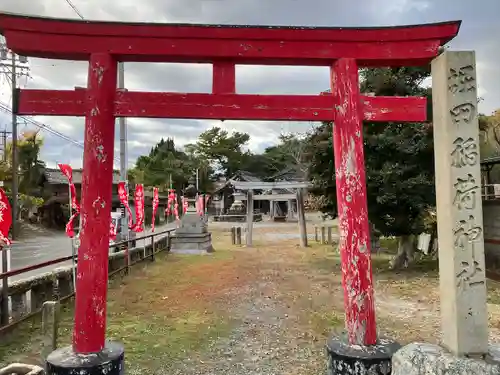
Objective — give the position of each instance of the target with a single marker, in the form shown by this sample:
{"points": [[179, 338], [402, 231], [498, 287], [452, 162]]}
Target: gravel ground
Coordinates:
{"points": [[265, 341]]}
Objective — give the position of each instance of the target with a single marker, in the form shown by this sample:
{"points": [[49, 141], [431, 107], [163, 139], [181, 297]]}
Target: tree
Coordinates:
{"points": [[166, 167], [399, 162], [290, 154], [223, 151], [31, 170], [489, 126]]}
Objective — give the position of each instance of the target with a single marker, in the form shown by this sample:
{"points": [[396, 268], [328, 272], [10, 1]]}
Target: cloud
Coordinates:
{"points": [[479, 31]]}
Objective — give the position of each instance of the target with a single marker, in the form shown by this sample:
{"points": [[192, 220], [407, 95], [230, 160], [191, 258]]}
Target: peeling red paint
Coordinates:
{"points": [[97, 179], [224, 77], [224, 106], [352, 205], [371, 46]]}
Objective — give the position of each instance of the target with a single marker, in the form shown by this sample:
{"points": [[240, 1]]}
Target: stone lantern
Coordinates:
{"points": [[192, 237], [190, 194]]}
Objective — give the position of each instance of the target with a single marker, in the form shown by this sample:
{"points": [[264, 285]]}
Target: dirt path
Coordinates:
{"points": [[270, 333]]}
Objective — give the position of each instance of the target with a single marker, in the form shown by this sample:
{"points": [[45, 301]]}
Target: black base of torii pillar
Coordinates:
{"points": [[345, 359], [109, 361]]}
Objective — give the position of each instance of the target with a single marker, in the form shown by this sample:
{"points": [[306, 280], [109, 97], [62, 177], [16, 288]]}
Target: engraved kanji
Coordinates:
{"points": [[470, 275], [463, 112], [465, 153], [461, 79], [466, 232], [465, 193]]}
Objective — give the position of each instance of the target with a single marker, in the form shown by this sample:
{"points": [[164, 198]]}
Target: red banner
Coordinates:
{"points": [[156, 202], [176, 209], [5, 218], [112, 230], [199, 205], [123, 196], [139, 208], [68, 172], [170, 202]]}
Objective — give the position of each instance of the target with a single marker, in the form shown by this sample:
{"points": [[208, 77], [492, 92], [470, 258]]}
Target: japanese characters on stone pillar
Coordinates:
{"points": [[459, 206]]}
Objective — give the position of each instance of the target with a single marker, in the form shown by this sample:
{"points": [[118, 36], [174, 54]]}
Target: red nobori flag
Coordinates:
{"points": [[68, 172], [199, 205], [112, 230], [170, 202], [176, 208], [139, 208], [5, 218], [123, 196], [156, 202]]}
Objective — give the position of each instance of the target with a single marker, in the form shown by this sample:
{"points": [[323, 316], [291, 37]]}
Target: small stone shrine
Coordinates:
{"points": [[192, 237]]}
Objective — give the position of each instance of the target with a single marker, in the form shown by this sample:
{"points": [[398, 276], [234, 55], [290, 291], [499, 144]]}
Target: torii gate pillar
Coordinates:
{"points": [[89, 350], [359, 351]]}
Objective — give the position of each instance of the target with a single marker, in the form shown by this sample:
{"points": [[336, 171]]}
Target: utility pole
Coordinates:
{"points": [[15, 179], [4, 144], [16, 67], [5, 257], [123, 149]]}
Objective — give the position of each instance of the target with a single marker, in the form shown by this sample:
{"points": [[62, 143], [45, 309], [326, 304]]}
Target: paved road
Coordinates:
{"points": [[45, 248]]}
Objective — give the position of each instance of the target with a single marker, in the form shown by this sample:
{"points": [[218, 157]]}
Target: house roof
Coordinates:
{"points": [[238, 176], [55, 177], [245, 176], [287, 174], [490, 161]]}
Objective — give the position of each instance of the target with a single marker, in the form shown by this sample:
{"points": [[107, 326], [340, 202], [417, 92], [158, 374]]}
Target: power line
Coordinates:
{"points": [[5, 108], [75, 9]]}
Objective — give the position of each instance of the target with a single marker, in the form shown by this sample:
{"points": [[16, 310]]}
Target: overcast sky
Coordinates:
{"points": [[480, 30]]}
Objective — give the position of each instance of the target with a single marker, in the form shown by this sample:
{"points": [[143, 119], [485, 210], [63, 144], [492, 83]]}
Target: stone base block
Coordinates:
{"points": [[191, 243], [346, 359], [65, 361], [428, 359]]}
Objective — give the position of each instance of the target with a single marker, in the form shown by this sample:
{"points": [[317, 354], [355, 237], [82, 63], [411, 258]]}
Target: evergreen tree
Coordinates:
{"points": [[399, 161]]}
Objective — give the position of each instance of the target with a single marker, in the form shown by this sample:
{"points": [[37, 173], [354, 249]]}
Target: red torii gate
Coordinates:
{"points": [[344, 50]]}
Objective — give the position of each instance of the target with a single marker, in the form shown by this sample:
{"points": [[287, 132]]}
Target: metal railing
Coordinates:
{"points": [[51, 262], [490, 192], [59, 284]]}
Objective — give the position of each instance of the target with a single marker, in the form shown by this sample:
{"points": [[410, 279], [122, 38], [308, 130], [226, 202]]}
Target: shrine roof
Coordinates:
{"points": [[54, 176]]}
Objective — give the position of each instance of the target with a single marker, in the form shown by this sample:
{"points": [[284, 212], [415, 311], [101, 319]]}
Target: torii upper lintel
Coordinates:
{"points": [[195, 43]]}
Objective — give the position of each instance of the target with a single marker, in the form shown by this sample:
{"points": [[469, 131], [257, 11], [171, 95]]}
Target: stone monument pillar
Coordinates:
{"points": [[192, 237], [464, 314]]}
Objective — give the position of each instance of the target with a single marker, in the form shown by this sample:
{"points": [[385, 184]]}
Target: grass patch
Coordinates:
{"points": [[161, 312], [493, 292], [324, 322], [389, 244]]}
